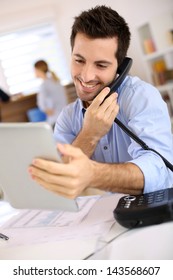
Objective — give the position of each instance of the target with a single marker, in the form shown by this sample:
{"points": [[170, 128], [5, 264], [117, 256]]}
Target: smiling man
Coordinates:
{"points": [[100, 154]]}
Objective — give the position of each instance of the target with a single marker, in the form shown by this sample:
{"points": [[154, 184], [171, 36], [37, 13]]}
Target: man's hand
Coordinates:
{"points": [[100, 115], [72, 178], [68, 179]]}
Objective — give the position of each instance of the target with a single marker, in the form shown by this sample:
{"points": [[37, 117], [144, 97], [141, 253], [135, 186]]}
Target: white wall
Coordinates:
{"points": [[19, 14]]}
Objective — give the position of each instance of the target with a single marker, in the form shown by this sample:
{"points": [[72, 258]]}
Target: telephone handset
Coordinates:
{"points": [[122, 72]]}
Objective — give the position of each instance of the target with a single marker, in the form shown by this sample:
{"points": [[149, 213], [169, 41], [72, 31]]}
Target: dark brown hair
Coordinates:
{"points": [[103, 22], [43, 66]]}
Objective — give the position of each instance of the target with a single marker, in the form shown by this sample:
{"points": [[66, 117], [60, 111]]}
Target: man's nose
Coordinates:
{"points": [[88, 73]]}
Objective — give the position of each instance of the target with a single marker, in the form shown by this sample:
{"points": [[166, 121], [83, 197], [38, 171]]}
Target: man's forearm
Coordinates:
{"points": [[86, 143], [122, 178]]}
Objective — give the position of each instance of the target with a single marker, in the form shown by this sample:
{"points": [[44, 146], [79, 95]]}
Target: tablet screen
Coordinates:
{"points": [[20, 143]]}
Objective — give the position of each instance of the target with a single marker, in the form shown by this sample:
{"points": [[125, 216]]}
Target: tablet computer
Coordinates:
{"points": [[20, 143]]}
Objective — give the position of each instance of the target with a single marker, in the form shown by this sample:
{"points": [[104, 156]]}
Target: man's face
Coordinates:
{"points": [[93, 65]]}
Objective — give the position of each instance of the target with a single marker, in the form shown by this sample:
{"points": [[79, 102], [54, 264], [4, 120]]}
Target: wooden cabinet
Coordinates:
{"points": [[15, 110]]}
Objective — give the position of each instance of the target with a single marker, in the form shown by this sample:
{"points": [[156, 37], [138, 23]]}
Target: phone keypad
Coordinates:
{"points": [[145, 199], [150, 198]]}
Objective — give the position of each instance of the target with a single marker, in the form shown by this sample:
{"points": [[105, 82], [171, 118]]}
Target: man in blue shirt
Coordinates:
{"points": [[101, 155]]}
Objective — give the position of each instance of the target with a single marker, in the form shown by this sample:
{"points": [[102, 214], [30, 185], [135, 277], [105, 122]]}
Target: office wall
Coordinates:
{"points": [[18, 14]]}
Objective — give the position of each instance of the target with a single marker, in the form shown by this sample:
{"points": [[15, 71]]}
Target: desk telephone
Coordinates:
{"points": [[146, 209]]}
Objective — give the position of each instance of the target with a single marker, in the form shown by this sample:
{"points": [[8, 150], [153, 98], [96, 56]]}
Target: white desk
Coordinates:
{"points": [[152, 242], [148, 243]]}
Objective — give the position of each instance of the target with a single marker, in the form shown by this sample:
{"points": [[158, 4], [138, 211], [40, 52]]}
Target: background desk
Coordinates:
{"points": [[15, 110]]}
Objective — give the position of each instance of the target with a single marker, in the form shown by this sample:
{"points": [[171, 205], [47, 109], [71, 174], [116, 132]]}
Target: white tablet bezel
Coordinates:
{"points": [[20, 143]]}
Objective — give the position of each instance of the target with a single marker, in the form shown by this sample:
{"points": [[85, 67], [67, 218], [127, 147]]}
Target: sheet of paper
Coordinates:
{"points": [[6, 212], [95, 219]]}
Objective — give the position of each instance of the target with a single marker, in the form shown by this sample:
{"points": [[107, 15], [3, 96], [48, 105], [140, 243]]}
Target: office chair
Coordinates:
{"points": [[36, 115]]}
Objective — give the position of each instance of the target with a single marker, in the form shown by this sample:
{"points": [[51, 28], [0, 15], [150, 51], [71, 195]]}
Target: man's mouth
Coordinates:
{"points": [[88, 86]]}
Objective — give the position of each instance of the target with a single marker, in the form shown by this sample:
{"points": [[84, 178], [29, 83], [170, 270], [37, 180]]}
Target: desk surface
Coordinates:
{"points": [[147, 243], [152, 242]]}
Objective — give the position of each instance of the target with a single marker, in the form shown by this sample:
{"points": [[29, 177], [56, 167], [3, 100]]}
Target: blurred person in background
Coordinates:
{"points": [[51, 97]]}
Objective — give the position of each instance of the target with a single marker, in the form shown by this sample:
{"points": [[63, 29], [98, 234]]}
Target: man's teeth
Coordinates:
{"points": [[88, 86]]}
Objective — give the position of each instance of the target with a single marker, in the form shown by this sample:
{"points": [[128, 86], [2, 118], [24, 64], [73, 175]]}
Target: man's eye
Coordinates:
{"points": [[101, 66], [79, 61]]}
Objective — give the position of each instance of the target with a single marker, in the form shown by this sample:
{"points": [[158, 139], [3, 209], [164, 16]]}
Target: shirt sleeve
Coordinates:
{"points": [[156, 174], [146, 114], [68, 124]]}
